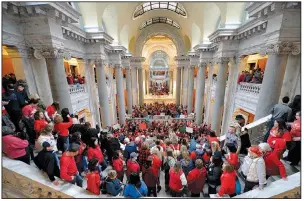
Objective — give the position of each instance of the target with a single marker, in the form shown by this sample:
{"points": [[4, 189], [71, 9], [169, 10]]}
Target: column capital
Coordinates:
{"points": [[281, 48], [222, 60], [99, 62], [192, 66], [51, 53], [117, 66]]}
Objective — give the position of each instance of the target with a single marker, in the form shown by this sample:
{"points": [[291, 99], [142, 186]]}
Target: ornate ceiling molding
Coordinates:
{"points": [[281, 48]]}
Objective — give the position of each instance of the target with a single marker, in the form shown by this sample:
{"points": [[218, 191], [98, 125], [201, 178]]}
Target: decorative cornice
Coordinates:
{"points": [[281, 48], [115, 49], [137, 59], [117, 66], [51, 53], [222, 60]]}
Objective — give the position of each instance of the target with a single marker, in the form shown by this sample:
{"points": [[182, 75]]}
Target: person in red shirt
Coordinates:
{"points": [[62, 129], [39, 123], [277, 132], [196, 179], [70, 79], [51, 111], [118, 165], [241, 77], [228, 181], [30, 109], [272, 162], [177, 180], [93, 177], [132, 165], [68, 168], [294, 154], [212, 137], [233, 159], [94, 151]]}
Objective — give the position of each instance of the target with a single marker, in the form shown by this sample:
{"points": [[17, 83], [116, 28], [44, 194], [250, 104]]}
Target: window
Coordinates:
{"points": [[148, 6], [155, 20]]}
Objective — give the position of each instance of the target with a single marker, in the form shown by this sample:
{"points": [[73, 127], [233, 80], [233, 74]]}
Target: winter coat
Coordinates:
{"points": [[149, 177], [228, 180], [273, 164], [214, 174], [131, 192], [68, 167], [14, 147], [113, 186], [45, 160], [131, 147], [196, 180], [93, 182]]}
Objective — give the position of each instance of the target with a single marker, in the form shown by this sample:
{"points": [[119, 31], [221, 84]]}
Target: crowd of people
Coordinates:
{"points": [[156, 108], [138, 154], [159, 89], [75, 79], [254, 76]]}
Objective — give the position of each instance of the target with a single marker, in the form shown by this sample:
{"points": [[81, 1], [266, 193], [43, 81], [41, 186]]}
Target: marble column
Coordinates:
{"points": [[42, 80], [141, 86], [190, 89], [272, 84], [58, 82], [134, 85], [218, 107], [178, 86], [292, 72], [232, 89], [120, 93], [185, 86], [103, 93], [200, 91], [112, 95], [208, 93], [92, 89], [129, 89]]}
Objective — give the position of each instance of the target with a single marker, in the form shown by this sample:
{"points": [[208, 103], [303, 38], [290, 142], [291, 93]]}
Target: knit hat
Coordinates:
{"points": [[255, 150], [264, 147], [133, 155], [45, 144]]}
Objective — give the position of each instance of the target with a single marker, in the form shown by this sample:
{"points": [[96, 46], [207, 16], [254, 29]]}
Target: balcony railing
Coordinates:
{"points": [[250, 88], [76, 89]]}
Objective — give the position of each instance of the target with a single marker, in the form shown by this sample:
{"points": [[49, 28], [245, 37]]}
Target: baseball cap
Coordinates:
{"points": [[46, 144], [133, 155]]}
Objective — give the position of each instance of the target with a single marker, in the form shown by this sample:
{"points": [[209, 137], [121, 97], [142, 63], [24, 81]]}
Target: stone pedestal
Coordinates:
{"points": [[129, 89], [200, 91], [218, 107], [178, 86], [58, 82], [272, 84], [103, 93], [190, 89], [120, 94]]}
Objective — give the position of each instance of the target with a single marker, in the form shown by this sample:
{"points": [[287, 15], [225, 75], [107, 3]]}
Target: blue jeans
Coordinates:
{"points": [[84, 163], [77, 179], [56, 159]]}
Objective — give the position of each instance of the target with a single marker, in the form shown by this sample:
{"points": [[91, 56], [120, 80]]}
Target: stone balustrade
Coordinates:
{"points": [[250, 88], [76, 89]]}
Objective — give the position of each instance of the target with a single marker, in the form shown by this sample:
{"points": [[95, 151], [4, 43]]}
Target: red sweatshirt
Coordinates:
{"points": [[39, 125], [233, 159], [63, 128], [196, 180], [227, 183], [273, 164], [132, 167], [156, 164], [95, 153], [93, 183], [68, 167]]}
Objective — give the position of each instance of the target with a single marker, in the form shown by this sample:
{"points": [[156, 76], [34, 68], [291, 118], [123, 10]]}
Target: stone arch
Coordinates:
{"points": [[159, 29]]}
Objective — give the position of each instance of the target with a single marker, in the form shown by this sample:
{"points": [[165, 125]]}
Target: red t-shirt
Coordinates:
{"points": [[50, 110]]}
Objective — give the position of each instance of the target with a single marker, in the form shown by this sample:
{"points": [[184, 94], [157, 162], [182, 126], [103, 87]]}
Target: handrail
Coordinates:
{"points": [[78, 88]]}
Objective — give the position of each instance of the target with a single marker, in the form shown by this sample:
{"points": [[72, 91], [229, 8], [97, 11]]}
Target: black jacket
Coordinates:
{"points": [[214, 175], [45, 160]]}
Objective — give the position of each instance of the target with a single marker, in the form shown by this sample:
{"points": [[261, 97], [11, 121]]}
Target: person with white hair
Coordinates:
{"points": [[272, 162], [129, 148]]}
